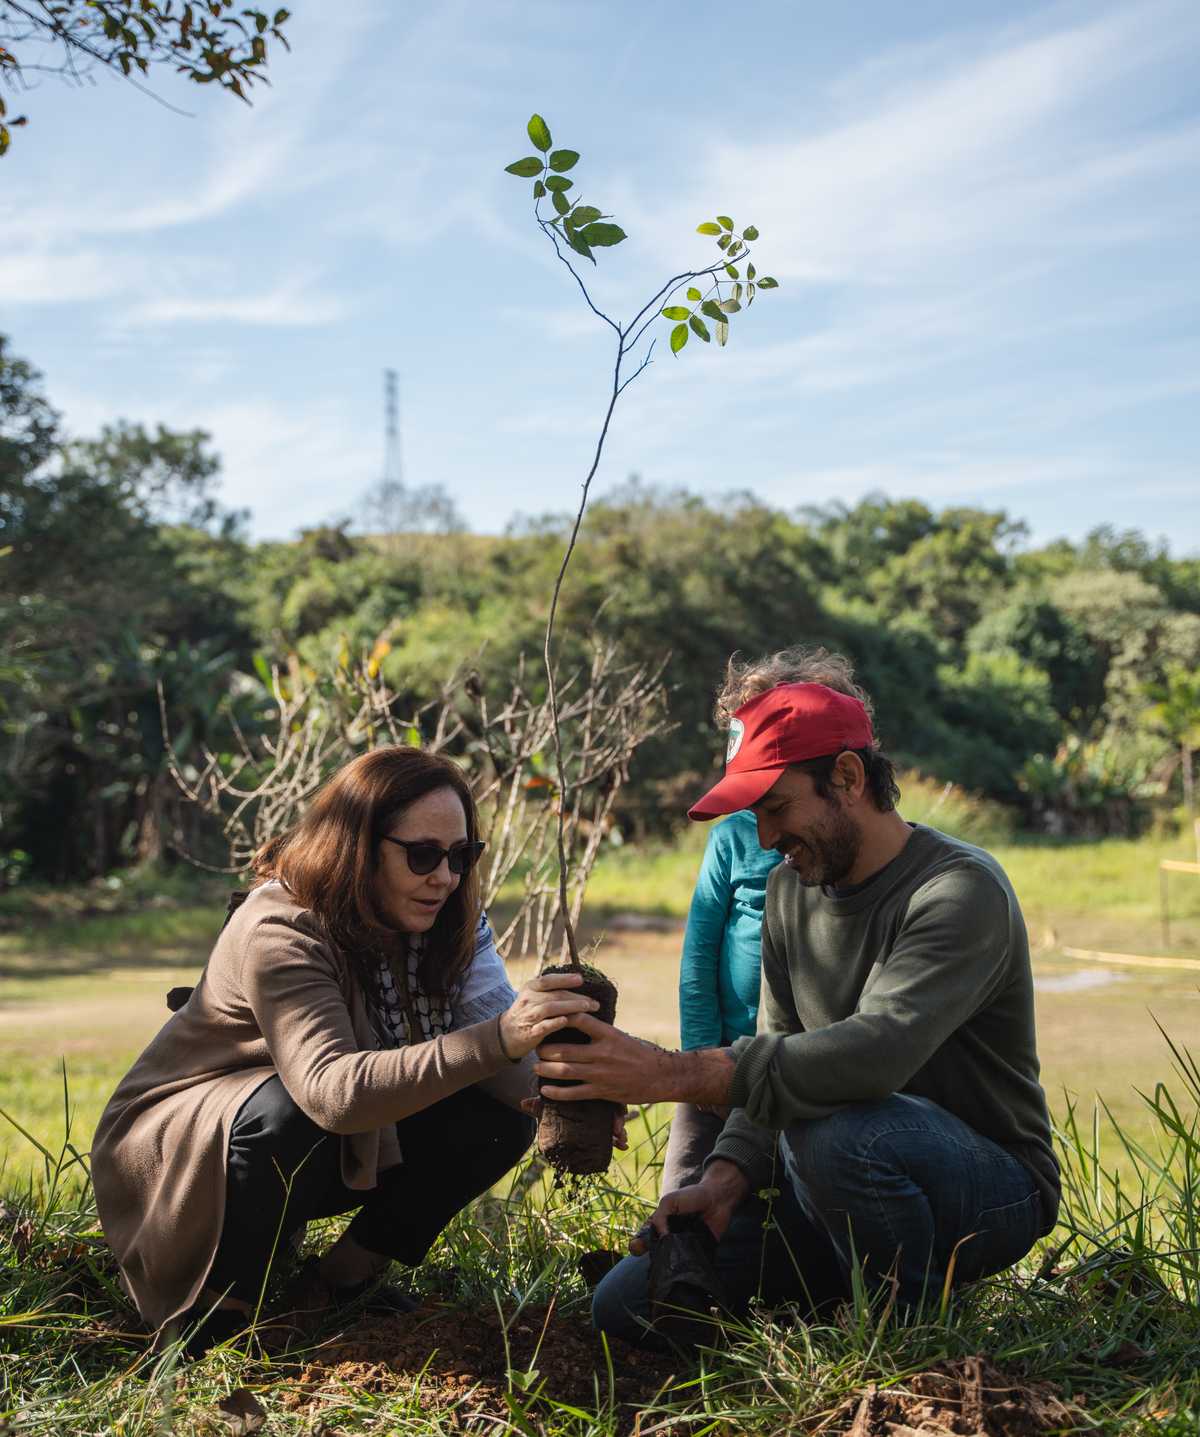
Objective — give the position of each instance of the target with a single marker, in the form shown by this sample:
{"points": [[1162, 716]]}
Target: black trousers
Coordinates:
{"points": [[283, 1171]]}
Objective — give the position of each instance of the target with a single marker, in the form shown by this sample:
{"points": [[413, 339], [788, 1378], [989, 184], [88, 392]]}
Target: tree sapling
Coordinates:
{"points": [[577, 1137]]}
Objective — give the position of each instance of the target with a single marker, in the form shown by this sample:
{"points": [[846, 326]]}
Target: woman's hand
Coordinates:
{"points": [[542, 1007]]}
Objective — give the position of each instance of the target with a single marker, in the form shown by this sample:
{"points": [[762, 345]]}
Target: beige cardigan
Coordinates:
{"points": [[275, 997]]}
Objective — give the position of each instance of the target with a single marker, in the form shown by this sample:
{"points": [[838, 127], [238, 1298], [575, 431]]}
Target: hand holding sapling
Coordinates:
{"points": [[543, 1007]]}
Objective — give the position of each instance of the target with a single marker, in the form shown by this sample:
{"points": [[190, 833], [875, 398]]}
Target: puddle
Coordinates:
{"points": [[1078, 982]]}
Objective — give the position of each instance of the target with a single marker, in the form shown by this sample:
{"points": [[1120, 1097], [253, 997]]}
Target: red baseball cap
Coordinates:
{"points": [[787, 724]]}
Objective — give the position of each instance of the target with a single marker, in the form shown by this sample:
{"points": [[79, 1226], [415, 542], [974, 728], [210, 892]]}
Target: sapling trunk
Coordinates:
{"points": [[576, 1138]]}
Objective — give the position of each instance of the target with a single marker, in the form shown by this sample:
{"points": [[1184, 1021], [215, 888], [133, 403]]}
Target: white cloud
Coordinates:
{"points": [[297, 467], [976, 157], [290, 304]]}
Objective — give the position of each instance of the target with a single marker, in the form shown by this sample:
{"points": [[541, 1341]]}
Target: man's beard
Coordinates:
{"points": [[826, 853]]}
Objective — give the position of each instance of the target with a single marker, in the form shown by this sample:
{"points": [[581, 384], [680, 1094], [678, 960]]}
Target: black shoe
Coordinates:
{"points": [[209, 1328], [686, 1290], [375, 1296]]}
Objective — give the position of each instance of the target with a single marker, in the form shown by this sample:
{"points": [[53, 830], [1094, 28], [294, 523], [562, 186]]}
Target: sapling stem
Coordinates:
{"points": [[581, 229]]}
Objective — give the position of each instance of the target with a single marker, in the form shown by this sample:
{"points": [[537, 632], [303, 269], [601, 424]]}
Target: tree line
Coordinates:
{"points": [[1058, 678]]}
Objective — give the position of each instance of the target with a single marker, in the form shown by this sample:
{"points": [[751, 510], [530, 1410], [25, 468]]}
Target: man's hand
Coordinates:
{"points": [[541, 1008], [715, 1197], [625, 1069]]}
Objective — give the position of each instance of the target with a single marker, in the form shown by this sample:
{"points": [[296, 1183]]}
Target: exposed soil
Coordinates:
{"points": [[461, 1360], [576, 1138], [967, 1396]]}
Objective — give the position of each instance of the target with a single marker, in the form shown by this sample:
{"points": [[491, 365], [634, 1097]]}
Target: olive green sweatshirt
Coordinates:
{"points": [[917, 981]]}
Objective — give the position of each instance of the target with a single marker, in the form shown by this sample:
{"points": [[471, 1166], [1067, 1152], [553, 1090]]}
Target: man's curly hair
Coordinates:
{"points": [[745, 679]]}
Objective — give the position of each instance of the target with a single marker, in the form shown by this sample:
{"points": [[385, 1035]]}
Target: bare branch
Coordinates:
{"points": [[608, 709]]}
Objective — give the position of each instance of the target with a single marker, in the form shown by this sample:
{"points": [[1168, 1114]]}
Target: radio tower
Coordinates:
{"points": [[393, 474]]}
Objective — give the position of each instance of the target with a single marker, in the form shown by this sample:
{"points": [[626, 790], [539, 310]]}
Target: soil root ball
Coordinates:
{"points": [[576, 1138]]}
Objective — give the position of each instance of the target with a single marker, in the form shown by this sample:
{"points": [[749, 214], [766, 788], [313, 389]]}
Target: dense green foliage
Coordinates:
{"points": [[1051, 678]]}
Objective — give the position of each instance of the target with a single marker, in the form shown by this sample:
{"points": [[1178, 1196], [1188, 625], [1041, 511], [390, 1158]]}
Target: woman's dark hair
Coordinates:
{"points": [[328, 862], [881, 776]]}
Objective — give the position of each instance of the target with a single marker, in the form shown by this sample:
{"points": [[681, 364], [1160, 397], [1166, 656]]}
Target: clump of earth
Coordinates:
{"points": [[576, 1138]]}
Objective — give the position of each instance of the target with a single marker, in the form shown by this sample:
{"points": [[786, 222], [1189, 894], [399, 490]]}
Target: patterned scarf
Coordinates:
{"points": [[407, 1013]]}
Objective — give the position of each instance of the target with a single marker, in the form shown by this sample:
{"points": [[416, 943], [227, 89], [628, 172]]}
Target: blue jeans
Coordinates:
{"points": [[900, 1187]]}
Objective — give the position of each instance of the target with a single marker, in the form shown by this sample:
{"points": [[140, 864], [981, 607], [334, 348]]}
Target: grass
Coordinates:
{"points": [[1107, 1310], [1107, 1314]]}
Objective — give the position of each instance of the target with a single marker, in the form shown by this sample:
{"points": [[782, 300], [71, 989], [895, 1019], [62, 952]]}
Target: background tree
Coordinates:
{"points": [[102, 595], [120, 570], [392, 509], [1176, 715], [208, 41]]}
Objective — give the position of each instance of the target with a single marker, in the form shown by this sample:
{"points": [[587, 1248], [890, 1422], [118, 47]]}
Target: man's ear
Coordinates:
{"points": [[850, 776]]}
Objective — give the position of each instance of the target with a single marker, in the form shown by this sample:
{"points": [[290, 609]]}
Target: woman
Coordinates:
{"points": [[353, 1042]]}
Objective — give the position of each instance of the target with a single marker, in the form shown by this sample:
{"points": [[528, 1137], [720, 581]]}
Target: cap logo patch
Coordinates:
{"points": [[737, 732]]}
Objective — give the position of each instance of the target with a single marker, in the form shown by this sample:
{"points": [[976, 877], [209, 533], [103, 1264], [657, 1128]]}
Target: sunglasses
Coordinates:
{"points": [[424, 857]]}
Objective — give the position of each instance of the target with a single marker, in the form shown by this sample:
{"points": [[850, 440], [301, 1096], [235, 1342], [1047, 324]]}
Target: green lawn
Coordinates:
{"points": [[86, 985]]}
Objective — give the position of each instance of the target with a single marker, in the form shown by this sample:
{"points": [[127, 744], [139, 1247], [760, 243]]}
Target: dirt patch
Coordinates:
{"points": [[463, 1359], [967, 1396]]}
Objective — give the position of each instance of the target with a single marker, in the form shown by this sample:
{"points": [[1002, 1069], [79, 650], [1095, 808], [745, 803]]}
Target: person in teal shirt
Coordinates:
{"points": [[721, 965], [719, 973]]}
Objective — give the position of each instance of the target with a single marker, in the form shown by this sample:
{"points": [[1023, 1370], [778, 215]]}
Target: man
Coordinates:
{"points": [[887, 1115]]}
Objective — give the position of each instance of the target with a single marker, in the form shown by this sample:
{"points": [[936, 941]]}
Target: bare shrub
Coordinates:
{"points": [[319, 723]]}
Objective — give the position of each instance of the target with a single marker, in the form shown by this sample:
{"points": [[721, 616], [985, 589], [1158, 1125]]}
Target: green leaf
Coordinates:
{"points": [[675, 311], [577, 242], [708, 228], [723, 242], [699, 327], [584, 215], [731, 271], [725, 222], [539, 133], [713, 310], [603, 234], [736, 247], [768, 283], [749, 295], [693, 294], [749, 233], [730, 306], [559, 182], [561, 203], [678, 338], [526, 168], [737, 291], [562, 160], [539, 190], [723, 333], [750, 271]]}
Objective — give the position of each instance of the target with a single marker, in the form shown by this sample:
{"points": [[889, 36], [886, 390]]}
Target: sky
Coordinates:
{"points": [[983, 219]]}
